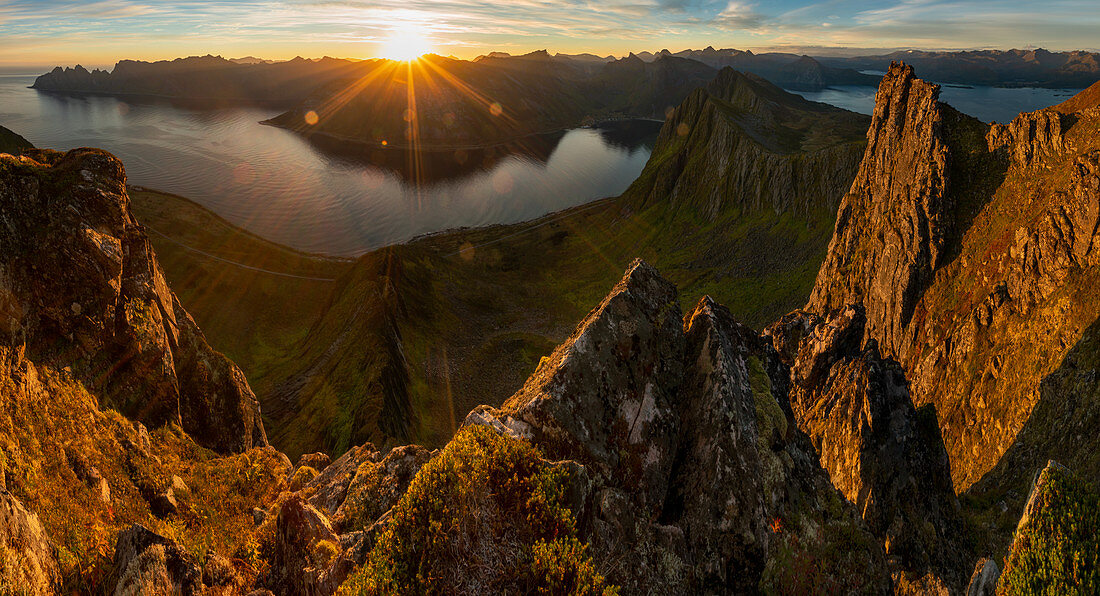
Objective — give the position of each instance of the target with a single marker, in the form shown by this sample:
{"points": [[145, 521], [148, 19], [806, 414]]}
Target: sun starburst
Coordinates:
{"points": [[405, 44]]}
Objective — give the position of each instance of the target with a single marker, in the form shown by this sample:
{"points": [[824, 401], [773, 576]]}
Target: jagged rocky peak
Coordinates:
{"points": [[605, 396], [81, 288], [684, 431], [898, 211], [744, 143], [970, 248]]}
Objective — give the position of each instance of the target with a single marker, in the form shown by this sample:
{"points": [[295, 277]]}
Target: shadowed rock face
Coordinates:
{"points": [[883, 454], [605, 396], [80, 286]]}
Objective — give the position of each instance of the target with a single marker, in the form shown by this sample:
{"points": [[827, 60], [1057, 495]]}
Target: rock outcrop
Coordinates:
{"points": [[897, 215], [605, 397], [81, 288], [28, 564], [149, 563], [320, 533], [983, 582], [659, 412], [305, 547], [886, 456], [1030, 139], [973, 250]]}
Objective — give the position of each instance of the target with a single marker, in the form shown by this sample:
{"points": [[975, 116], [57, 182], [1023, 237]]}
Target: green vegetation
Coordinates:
{"points": [[486, 515], [11, 142], [413, 336], [1057, 549], [249, 315]]}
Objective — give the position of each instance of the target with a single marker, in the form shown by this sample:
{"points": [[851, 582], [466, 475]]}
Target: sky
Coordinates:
{"points": [[97, 33]]}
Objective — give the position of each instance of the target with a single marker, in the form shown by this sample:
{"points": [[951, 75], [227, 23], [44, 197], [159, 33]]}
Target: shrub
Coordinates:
{"points": [[486, 515], [1057, 549]]}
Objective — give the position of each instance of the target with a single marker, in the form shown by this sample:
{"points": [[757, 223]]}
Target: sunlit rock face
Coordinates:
{"points": [[897, 212], [973, 251], [81, 288], [882, 453], [27, 558]]}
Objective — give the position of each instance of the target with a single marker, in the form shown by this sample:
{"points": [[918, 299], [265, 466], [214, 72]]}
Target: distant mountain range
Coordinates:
{"points": [[441, 103], [791, 71], [210, 78], [1011, 68]]}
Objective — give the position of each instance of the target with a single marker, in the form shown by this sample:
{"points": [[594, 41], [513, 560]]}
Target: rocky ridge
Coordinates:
{"points": [[96, 302], [742, 143], [970, 247]]}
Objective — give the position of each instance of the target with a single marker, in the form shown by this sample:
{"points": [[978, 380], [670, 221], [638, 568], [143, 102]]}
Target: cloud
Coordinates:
{"points": [[738, 15], [112, 29]]}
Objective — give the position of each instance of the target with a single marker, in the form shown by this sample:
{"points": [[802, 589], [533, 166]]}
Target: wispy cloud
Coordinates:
{"points": [[739, 15], [110, 29]]}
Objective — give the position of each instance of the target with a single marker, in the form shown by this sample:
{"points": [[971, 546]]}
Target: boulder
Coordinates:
{"points": [[89, 475], [376, 487], [148, 563], [983, 582], [327, 490], [317, 461], [305, 550], [27, 559]]}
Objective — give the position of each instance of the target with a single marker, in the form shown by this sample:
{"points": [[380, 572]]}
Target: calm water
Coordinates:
{"points": [[316, 197], [989, 104], [324, 197]]}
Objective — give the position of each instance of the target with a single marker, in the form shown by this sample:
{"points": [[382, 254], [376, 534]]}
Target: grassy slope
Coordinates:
{"points": [[249, 315], [413, 336], [502, 297], [1056, 551], [11, 142], [47, 420]]}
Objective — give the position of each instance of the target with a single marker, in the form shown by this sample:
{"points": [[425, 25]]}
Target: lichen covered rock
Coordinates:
{"points": [[95, 301]]}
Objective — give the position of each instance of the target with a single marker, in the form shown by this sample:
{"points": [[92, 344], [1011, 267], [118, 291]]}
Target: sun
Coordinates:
{"points": [[405, 45]]}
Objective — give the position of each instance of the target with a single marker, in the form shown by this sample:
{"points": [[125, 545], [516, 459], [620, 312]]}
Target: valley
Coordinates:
{"points": [[806, 350]]}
